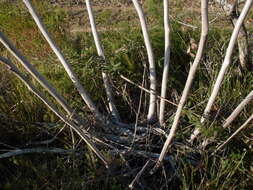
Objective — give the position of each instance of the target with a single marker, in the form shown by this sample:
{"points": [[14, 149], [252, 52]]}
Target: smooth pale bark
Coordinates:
{"points": [[224, 66], [31, 69], [166, 60], [233, 115], [100, 51], [81, 132], [239, 108], [152, 71], [67, 67], [242, 40], [204, 33], [236, 132]]}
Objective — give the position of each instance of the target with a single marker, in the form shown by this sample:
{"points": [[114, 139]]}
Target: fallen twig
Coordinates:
{"points": [[81, 132], [146, 90], [137, 178], [239, 108], [235, 133], [35, 150]]}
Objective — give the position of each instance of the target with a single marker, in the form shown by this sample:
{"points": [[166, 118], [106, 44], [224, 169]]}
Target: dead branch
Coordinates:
{"points": [[138, 176], [19, 152], [235, 133]]}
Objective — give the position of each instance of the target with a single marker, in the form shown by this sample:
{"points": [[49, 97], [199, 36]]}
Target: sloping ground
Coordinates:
{"points": [[112, 14], [95, 2], [116, 14], [120, 14], [107, 18], [108, 14]]}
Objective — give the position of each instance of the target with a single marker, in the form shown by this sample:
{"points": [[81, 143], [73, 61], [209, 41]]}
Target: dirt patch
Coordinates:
{"points": [[107, 14], [101, 3]]}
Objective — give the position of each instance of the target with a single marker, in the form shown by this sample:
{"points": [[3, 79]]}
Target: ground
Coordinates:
{"points": [[27, 123]]}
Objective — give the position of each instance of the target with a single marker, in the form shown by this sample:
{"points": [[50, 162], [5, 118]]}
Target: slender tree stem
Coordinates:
{"points": [[231, 10], [224, 66], [239, 108], [100, 51], [166, 60], [31, 69], [81, 132], [236, 132], [204, 32], [152, 71], [67, 67]]}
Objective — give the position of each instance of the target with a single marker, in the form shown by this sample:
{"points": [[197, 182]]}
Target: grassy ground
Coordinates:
{"points": [[25, 121]]}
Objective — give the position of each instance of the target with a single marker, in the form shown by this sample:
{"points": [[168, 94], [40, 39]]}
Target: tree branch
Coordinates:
{"points": [[235, 133], [34, 150], [239, 108], [63, 61], [152, 71], [100, 51], [81, 132], [242, 40], [166, 60], [224, 66], [191, 75], [31, 69]]}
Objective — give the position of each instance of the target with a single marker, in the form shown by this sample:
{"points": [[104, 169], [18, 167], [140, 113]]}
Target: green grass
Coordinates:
{"points": [[126, 55]]}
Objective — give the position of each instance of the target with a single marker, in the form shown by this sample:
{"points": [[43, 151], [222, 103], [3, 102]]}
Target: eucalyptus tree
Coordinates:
{"points": [[225, 65], [125, 133], [233, 13]]}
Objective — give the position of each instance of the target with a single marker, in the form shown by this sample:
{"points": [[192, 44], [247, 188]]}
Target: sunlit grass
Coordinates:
{"points": [[126, 55]]}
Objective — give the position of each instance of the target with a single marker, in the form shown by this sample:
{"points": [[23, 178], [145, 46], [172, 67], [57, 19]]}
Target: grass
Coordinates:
{"points": [[231, 169]]}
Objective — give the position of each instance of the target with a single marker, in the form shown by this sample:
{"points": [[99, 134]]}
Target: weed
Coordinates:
{"points": [[126, 55]]}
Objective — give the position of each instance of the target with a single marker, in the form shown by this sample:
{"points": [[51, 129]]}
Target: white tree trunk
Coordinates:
{"points": [[166, 60], [100, 51], [224, 66], [81, 132], [152, 71], [63, 61], [239, 108], [204, 32]]}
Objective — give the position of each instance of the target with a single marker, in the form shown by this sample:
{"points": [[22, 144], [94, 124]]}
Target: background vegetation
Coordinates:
{"points": [[25, 122]]}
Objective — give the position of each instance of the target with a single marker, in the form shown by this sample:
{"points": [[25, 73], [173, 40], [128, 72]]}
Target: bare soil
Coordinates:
{"points": [[115, 11]]}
